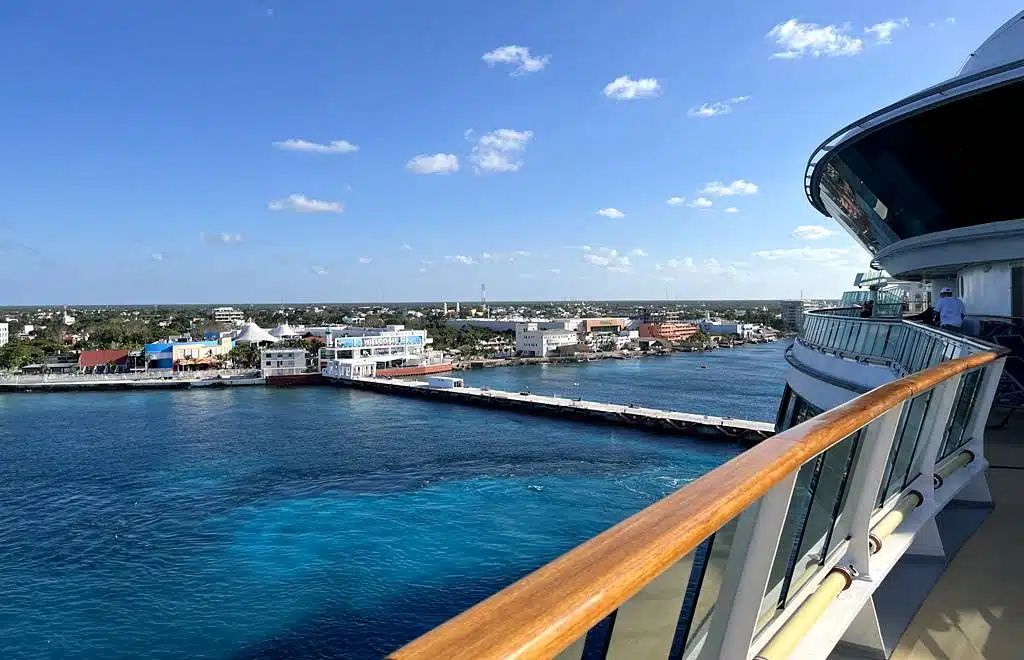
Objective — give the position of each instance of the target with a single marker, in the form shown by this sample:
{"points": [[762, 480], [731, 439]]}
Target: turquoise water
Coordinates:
{"points": [[318, 522]]}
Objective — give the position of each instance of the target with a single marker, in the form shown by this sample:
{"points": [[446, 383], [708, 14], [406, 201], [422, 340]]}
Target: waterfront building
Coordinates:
{"points": [[283, 361], [834, 538], [227, 315], [103, 361], [392, 349], [4, 333], [669, 331], [172, 355], [791, 313], [534, 341]]}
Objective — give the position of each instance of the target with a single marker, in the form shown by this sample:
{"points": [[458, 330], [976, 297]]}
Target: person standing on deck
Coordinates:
{"points": [[950, 310]]}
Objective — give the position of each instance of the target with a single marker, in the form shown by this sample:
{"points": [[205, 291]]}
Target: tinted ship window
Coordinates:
{"points": [[953, 166]]}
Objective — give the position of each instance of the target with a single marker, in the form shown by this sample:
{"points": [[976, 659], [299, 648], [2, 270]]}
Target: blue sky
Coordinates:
{"points": [[257, 151]]}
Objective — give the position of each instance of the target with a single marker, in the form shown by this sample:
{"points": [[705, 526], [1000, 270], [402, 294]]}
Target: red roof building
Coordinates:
{"points": [[92, 360]]}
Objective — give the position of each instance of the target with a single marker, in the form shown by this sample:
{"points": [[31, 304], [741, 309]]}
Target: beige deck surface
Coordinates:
{"points": [[977, 608]]}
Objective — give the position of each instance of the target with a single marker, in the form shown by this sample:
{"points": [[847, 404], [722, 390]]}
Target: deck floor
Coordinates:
{"points": [[977, 608]]}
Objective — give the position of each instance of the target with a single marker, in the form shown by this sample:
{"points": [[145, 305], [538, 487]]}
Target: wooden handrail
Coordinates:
{"points": [[546, 611]]}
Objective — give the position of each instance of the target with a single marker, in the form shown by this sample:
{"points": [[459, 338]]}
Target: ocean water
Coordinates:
{"points": [[320, 522]]}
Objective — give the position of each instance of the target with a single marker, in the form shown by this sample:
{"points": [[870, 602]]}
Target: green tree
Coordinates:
{"points": [[246, 356]]}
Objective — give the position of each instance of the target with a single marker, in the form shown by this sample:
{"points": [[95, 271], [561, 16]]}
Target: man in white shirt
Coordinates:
{"points": [[950, 310]]}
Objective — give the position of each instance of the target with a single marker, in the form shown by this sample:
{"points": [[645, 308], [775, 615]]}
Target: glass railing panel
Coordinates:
{"points": [[956, 431], [826, 503], [813, 510], [866, 339], [705, 585], [799, 504], [905, 447]]}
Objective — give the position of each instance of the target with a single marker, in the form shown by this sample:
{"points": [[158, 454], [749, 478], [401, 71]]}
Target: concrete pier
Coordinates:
{"points": [[665, 421]]}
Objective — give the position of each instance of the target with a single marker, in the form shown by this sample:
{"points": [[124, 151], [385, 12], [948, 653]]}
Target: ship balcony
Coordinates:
{"points": [[820, 542]]}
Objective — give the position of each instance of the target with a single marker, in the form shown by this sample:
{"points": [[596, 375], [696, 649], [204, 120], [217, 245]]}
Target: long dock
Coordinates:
{"points": [[665, 421]]}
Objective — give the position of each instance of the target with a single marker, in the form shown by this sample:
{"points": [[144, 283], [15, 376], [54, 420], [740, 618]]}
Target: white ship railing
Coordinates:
{"points": [[772, 555], [905, 346]]}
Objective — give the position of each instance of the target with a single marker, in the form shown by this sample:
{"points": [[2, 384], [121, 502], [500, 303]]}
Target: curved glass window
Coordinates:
{"points": [[949, 167]]}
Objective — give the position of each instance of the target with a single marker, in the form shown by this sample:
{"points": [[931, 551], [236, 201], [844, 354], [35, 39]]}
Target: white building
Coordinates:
{"points": [[282, 361], [720, 327], [537, 342], [390, 347], [792, 313], [4, 334], [228, 315]]}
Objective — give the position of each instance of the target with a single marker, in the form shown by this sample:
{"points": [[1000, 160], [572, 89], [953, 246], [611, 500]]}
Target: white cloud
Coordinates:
{"points": [[365, 260], [426, 262], [485, 256], [157, 256], [423, 270], [436, 164], [555, 271], [519, 57], [675, 201], [732, 209], [678, 264], [405, 248], [638, 252], [611, 213], [303, 204], [498, 151], [220, 238], [738, 187], [625, 88], [608, 258], [798, 39], [461, 259], [526, 276], [318, 270], [821, 256], [332, 147], [883, 31], [951, 20], [705, 110], [700, 203], [523, 253], [812, 232]]}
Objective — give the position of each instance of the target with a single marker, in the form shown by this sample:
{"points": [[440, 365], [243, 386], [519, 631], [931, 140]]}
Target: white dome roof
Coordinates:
{"points": [[254, 334], [284, 330], [1004, 46]]}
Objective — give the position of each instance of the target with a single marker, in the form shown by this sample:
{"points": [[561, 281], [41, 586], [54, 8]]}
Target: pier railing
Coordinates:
{"points": [[774, 553]]}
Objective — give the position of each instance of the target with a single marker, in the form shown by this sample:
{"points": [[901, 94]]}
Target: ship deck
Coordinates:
{"points": [[975, 609]]}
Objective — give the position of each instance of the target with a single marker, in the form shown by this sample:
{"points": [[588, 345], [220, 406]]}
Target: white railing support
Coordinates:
{"points": [[746, 574], [873, 455]]}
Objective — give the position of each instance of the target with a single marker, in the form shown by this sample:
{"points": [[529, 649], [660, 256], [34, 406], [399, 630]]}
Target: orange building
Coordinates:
{"points": [[668, 331]]}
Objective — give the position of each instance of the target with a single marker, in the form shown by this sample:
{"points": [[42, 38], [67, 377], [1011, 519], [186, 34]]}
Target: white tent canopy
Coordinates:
{"points": [[284, 330], [254, 334]]}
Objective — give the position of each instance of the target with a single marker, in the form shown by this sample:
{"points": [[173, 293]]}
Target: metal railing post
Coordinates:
{"points": [[876, 443], [746, 574]]}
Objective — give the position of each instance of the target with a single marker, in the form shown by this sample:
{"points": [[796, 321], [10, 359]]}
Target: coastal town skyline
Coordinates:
{"points": [[583, 151]]}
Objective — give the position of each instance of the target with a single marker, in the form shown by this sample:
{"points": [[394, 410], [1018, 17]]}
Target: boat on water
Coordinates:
{"points": [[835, 538]]}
